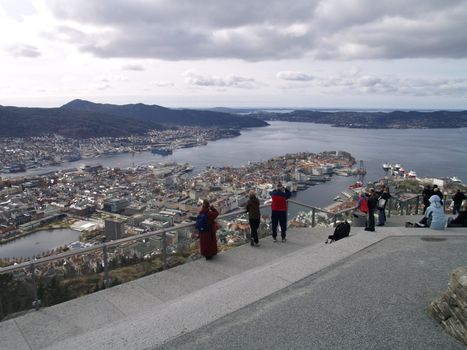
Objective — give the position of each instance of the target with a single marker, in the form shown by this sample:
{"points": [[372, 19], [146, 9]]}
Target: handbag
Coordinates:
{"points": [[381, 203]]}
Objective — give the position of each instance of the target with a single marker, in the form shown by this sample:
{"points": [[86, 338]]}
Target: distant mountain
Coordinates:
{"points": [[84, 119], [166, 116], [375, 120], [27, 122]]}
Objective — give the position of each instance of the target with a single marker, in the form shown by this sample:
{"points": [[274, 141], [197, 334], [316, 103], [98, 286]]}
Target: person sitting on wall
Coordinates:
{"points": [[434, 216]]}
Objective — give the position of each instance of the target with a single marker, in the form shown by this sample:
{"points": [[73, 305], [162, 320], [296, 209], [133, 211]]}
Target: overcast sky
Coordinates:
{"points": [[235, 53]]}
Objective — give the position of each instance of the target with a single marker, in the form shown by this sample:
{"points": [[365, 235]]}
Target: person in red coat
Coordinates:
{"points": [[208, 239]]}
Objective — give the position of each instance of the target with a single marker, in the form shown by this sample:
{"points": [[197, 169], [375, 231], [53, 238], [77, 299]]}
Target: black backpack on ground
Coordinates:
{"points": [[342, 230]]}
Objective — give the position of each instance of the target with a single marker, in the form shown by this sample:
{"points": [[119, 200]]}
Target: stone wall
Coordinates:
{"points": [[451, 309]]}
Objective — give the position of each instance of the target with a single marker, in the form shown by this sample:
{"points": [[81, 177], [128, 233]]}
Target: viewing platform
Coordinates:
{"points": [[367, 291]]}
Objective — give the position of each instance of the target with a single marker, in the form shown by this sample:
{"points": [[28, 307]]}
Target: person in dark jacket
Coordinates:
{"points": [[457, 201], [437, 191], [382, 202], [279, 210], [372, 204], [426, 194], [254, 216], [461, 219], [208, 239]]}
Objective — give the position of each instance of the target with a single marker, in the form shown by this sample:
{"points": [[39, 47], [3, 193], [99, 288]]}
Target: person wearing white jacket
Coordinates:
{"points": [[436, 212]]}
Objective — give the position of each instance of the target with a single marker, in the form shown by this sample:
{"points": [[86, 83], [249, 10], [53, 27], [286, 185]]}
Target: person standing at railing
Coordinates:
{"points": [[437, 192], [254, 216], [426, 194], [208, 238], [382, 202], [279, 210], [372, 203]]}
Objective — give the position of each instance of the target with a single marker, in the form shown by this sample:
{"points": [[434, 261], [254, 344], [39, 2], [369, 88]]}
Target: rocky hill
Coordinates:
{"points": [[375, 120], [84, 119]]}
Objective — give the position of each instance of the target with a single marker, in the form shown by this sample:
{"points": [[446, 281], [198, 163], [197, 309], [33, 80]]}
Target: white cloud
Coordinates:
{"points": [[292, 75], [23, 50], [133, 67], [358, 84], [162, 83], [195, 79]]}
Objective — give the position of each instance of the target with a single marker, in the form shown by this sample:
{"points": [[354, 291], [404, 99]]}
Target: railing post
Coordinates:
{"points": [[313, 217], [417, 205], [106, 267], [389, 207], [164, 251], [36, 303], [334, 220], [407, 208], [402, 208]]}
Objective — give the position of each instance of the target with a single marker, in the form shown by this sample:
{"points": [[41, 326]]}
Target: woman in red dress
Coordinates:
{"points": [[208, 239]]}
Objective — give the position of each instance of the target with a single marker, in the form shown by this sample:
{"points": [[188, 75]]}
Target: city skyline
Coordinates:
{"points": [[322, 54]]}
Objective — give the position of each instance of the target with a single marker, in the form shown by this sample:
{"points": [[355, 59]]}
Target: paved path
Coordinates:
{"points": [[157, 309], [376, 299]]}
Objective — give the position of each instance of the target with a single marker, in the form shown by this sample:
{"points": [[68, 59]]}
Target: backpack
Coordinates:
{"points": [[342, 230], [202, 223], [363, 207]]}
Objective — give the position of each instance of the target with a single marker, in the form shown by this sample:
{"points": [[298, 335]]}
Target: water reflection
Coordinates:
{"points": [[37, 243]]}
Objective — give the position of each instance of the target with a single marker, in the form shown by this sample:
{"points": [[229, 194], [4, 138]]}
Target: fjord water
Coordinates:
{"points": [[430, 152]]}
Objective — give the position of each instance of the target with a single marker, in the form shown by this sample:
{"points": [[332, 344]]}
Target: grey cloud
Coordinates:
{"points": [[133, 67], [23, 50], [257, 30], [295, 76], [235, 81]]}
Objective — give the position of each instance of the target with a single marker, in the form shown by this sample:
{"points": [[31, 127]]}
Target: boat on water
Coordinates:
{"points": [[336, 198], [386, 166], [396, 166], [412, 174], [358, 184], [455, 179]]}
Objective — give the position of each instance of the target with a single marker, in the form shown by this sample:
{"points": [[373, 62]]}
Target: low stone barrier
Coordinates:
{"points": [[451, 309]]}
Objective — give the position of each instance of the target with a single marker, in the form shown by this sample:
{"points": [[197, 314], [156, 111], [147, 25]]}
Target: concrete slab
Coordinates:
{"points": [[12, 338], [180, 315], [69, 319], [130, 298], [45, 327], [164, 285], [197, 275]]}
